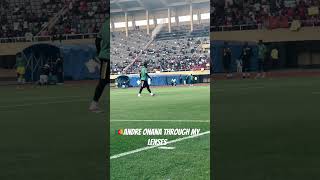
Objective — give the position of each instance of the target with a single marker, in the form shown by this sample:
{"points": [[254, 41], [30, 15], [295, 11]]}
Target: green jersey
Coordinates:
{"points": [[143, 74], [20, 62], [104, 34], [262, 51]]}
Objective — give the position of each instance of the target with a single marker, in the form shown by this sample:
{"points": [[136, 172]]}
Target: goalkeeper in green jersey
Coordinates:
{"points": [[103, 52], [144, 79]]}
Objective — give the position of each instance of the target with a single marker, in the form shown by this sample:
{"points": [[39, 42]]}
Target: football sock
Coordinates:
{"points": [[99, 89], [140, 90]]}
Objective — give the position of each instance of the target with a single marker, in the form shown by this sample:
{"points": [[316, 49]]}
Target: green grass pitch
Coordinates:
{"points": [[172, 107], [263, 129], [47, 133], [266, 129]]}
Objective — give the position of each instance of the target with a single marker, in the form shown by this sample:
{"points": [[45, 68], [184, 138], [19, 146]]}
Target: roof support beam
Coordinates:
{"points": [[164, 3], [141, 4]]}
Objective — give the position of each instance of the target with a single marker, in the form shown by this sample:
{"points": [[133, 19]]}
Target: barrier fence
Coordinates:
{"points": [[48, 38], [273, 23]]}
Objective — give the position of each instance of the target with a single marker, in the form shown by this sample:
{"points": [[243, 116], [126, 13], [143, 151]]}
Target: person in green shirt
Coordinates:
{"points": [[144, 79], [262, 51], [275, 57], [191, 80], [103, 55], [21, 68]]}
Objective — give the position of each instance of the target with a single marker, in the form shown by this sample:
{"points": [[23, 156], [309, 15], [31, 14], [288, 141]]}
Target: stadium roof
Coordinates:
{"points": [[117, 6]]}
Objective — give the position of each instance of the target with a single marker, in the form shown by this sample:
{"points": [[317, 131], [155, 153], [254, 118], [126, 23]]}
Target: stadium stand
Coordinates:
{"points": [[22, 20], [200, 30], [165, 54], [231, 15], [180, 44]]}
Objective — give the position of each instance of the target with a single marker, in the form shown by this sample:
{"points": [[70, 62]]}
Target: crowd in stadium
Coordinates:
{"points": [[27, 17], [257, 13], [163, 55]]}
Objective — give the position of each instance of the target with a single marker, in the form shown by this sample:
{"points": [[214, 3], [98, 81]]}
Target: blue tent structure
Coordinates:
{"points": [[78, 63]]}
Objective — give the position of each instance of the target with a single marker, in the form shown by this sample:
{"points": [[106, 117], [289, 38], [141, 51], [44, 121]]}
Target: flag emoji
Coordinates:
{"points": [[120, 132]]}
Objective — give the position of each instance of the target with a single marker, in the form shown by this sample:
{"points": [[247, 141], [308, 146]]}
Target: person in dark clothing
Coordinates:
{"points": [[246, 60], [227, 60], [44, 75], [59, 64]]}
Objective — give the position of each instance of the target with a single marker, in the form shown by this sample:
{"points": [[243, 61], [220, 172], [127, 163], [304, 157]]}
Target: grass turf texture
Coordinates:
{"points": [[48, 133], [190, 158], [266, 129]]}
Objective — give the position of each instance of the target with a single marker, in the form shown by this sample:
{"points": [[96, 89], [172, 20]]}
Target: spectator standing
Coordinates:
{"points": [[262, 51], [59, 63], [274, 57], [21, 68], [246, 60], [227, 64], [44, 75]]}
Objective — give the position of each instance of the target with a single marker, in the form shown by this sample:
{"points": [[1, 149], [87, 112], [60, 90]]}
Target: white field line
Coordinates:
{"points": [[152, 147], [166, 147], [45, 103], [159, 120]]}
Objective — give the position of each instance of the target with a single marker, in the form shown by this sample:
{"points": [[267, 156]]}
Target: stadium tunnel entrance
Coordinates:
{"points": [[78, 61]]}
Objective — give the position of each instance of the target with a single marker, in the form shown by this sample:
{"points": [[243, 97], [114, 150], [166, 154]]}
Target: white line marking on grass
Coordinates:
{"points": [[152, 147], [166, 147], [158, 120]]}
